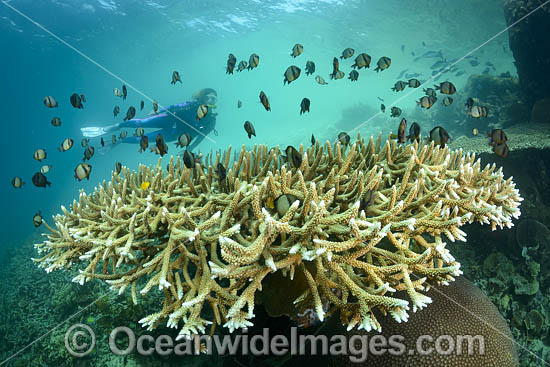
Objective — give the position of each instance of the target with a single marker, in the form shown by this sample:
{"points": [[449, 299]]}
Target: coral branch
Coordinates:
{"points": [[358, 227]]}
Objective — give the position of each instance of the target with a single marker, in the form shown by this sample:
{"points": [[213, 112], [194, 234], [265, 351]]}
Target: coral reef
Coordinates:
{"points": [[516, 281], [519, 138], [459, 309], [500, 94], [530, 46], [528, 162], [41, 309], [510, 266], [33, 306], [361, 223]]}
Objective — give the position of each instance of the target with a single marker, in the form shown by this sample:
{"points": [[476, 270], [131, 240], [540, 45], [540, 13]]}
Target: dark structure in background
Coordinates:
{"points": [[530, 45]]}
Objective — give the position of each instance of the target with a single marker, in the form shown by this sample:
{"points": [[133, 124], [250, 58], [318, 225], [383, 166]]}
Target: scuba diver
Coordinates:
{"points": [[172, 121]]}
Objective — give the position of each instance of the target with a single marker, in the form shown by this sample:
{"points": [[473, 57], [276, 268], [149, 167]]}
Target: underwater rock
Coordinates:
{"points": [[501, 94], [496, 264], [534, 323], [517, 112], [530, 45], [524, 286], [530, 232], [540, 113]]}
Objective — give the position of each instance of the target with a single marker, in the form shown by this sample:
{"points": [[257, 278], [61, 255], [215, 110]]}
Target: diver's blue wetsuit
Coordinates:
{"points": [[171, 127]]}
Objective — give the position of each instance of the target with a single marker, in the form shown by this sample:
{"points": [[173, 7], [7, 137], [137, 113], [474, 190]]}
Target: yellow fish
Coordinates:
{"points": [[145, 185], [270, 202]]}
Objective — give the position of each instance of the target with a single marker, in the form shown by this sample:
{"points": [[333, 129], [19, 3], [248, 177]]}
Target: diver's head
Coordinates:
{"points": [[207, 96]]}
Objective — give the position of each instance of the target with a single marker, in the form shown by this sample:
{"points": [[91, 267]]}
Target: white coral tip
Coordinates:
{"points": [[385, 230], [420, 302], [295, 248], [399, 314], [269, 262], [387, 287], [163, 283]]}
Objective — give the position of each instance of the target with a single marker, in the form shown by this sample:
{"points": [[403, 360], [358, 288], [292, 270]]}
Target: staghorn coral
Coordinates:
{"points": [[210, 242]]}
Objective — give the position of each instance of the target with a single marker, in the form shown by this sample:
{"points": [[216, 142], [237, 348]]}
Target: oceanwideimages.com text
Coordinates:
{"points": [[80, 340]]}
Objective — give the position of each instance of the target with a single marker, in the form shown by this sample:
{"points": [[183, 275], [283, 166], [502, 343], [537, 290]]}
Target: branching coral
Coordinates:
{"points": [[210, 242]]}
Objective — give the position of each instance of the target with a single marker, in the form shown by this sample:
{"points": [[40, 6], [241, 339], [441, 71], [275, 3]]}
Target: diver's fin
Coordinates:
{"points": [[92, 132]]}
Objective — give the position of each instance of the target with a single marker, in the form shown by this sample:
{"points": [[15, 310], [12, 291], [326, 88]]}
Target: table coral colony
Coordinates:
{"points": [[361, 223]]}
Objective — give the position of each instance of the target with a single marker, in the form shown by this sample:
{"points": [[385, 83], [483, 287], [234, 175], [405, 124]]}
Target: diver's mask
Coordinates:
{"points": [[210, 100]]}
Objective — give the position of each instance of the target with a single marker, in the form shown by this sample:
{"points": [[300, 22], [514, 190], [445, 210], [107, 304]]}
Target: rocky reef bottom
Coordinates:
{"points": [[511, 266]]}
